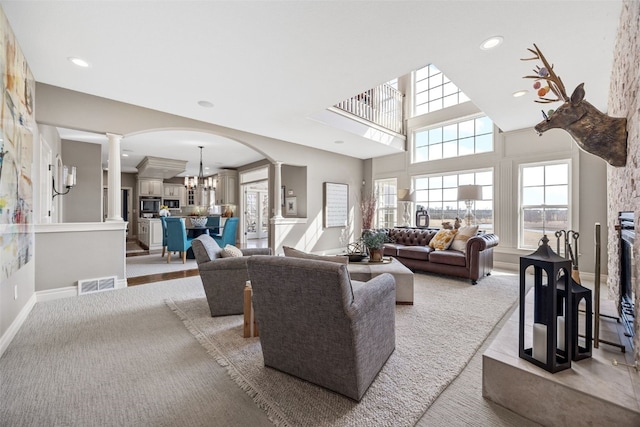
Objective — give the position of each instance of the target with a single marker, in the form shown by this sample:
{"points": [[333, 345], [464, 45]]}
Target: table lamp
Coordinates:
{"points": [[468, 194], [406, 196]]}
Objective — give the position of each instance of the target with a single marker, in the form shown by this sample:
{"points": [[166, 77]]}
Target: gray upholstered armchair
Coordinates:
{"points": [[318, 325], [223, 279]]}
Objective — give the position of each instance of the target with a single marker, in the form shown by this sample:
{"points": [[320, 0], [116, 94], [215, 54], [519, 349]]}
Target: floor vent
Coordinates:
{"points": [[100, 284]]}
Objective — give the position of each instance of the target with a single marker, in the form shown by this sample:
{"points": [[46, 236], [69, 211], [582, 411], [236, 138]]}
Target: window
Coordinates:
{"points": [[438, 194], [433, 91], [387, 196], [463, 138], [544, 201]]}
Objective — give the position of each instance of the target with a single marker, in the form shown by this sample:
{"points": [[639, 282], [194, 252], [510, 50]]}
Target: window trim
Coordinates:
{"points": [[491, 169], [376, 186], [521, 206], [414, 93], [456, 121]]}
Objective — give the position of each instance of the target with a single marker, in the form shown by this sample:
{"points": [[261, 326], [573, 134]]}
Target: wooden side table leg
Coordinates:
{"points": [[250, 325]]}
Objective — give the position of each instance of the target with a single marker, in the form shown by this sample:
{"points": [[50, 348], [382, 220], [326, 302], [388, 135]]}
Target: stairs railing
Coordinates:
{"points": [[381, 105]]}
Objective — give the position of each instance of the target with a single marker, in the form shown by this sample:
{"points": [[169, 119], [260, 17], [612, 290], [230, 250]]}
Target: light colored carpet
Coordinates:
{"points": [[145, 265], [435, 339], [117, 358]]}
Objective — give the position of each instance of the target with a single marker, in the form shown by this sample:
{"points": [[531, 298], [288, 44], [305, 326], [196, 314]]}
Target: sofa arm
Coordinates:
{"points": [[482, 242], [255, 251], [480, 255], [371, 295], [373, 323]]}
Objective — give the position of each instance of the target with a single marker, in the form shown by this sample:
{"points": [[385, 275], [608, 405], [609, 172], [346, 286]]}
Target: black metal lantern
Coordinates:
{"points": [[578, 294], [552, 316]]}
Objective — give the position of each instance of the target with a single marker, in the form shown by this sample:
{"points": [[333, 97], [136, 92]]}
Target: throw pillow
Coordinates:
{"points": [[442, 240], [464, 233], [230, 251], [295, 253]]}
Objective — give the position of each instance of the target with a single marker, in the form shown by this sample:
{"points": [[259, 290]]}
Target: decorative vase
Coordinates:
{"points": [[375, 255]]}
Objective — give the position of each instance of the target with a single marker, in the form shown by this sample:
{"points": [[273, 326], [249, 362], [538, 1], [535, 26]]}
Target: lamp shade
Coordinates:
{"points": [[405, 195], [470, 192]]}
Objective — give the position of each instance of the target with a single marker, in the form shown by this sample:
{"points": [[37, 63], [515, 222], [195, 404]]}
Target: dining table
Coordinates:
{"points": [[193, 232]]}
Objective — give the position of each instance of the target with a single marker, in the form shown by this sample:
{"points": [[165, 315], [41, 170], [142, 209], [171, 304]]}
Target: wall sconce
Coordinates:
{"points": [[468, 194], [68, 178], [406, 196]]}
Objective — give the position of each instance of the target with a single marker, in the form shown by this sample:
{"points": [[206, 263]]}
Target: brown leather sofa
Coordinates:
{"points": [[411, 247]]}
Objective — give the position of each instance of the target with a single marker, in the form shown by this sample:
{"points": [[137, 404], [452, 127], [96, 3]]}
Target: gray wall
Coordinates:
{"points": [[588, 199], [294, 178], [83, 203], [65, 108], [77, 253]]}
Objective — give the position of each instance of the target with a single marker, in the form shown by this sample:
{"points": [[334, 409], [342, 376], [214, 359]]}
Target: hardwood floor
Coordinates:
{"points": [[141, 280], [134, 250]]}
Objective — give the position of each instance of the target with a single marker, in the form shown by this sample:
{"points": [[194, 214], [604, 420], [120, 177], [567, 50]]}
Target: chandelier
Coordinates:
{"points": [[199, 181]]}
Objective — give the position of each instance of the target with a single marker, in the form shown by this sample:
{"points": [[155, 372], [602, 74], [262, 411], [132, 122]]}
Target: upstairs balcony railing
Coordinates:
{"points": [[381, 105]]}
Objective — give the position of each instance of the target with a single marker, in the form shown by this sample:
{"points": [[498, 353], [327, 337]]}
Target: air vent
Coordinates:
{"points": [[100, 284]]}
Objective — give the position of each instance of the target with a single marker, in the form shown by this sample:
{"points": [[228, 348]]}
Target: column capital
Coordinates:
{"points": [[113, 135]]}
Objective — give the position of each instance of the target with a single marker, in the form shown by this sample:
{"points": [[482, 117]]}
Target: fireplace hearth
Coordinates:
{"points": [[626, 228]]}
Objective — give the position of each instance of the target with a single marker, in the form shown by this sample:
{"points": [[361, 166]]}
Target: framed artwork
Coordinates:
{"points": [[291, 206], [336, 204]]}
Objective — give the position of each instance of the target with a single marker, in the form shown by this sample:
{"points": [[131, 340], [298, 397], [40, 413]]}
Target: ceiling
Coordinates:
{"points": [[269, 66]]}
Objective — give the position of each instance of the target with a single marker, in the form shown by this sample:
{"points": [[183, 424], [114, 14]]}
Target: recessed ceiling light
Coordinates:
{"points": [[78, 61], [520, 93], [491, 43], [125, 155], [338, 142], [205, 104]]}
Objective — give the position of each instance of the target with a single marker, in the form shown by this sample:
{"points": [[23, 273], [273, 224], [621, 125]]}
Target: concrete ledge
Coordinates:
{"points": [[592, 392]]}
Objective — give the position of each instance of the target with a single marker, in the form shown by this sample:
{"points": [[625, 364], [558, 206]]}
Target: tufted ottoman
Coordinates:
{"points": [[363, 271]]}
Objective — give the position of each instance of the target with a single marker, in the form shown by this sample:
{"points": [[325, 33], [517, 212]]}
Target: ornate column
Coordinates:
{"points": [[113, 179]]}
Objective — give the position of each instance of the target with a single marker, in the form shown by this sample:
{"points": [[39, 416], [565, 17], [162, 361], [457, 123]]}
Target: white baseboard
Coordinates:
{"points": [[51, 294], [588, 277], [70, 291], [506, 266], [7, 337], [40, 296]]}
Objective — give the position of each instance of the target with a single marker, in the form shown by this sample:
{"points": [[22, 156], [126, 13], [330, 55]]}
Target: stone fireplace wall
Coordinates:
{"points": [[623, 183]]}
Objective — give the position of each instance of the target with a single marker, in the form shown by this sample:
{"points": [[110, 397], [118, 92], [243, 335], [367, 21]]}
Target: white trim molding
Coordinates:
{"points": [[15, 326]]}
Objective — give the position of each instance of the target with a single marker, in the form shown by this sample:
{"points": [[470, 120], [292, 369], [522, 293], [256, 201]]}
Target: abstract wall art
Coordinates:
{"points": [[16, 154]]}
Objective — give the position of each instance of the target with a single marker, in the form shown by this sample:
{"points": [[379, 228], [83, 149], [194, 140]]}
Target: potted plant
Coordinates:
{"points": [[374, 241]]}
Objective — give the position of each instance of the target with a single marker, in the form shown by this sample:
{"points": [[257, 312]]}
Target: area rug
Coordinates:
{"points": [[435, 339]]}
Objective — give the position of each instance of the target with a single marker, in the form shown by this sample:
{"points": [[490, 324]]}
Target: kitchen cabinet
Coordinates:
{"points": [[150, 187], [175, 192], [143, 232], [226, 187], [150, 233]]}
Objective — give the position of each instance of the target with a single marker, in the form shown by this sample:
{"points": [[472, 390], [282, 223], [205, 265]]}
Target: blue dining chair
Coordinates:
{"points": [[177, 240], [213, 224], [164, 234], [228, 236]]}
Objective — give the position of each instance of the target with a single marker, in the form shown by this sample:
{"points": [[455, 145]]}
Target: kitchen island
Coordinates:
{"points": [[150, 234]]}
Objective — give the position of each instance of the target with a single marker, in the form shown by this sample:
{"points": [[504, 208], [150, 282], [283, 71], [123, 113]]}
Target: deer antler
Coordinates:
{"points": [[546, 73]]}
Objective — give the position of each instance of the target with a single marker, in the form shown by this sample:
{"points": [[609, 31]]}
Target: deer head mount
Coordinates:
{"points": [[593, 131]]}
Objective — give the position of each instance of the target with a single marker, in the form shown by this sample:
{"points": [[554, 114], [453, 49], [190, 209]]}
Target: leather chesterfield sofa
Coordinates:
{"points": [[411, 247]]}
